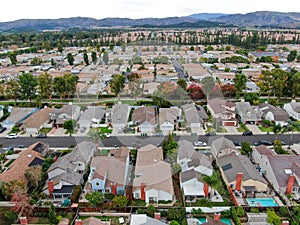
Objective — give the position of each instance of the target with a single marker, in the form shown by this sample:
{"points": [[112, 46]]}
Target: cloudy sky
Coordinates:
{"points": [[98, 9]]}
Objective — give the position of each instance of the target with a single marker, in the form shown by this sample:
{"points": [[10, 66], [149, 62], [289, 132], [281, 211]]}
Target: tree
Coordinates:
{"points": [[174, 222], [117, 83], [169, 145], [105, 57], [276, 128], [70, 125], [279, 81], [176, 213], [239, 83], [292, 56], [33, 176], [13, 58], [70, 84], [295, 81], [195, 91], [150, 211], [251, 97], [95, 198], [46, 164], [22, 205], [120, 201], [45, 85], [273, 218], [246, 148], [212, 181], [36, 61], [12, 89], [70, 59], [96, 134], [86, 59], [28, 84], [14, 186], [59, 47], [52, 215], [9, 218], [182, 83], [94, 57], [59, 84], [207, 84]]}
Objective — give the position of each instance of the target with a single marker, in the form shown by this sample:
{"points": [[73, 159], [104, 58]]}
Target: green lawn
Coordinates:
{"points": [[105, 130], [265, 129]]}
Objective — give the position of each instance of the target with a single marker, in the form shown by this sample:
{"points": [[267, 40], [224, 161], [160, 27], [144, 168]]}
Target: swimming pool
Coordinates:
{"points": [[224, 220], [265, 202]]}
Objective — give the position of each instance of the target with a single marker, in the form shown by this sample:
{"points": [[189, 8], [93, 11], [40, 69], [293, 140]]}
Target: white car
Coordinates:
{"points": [[200, 143], [107, 135], [12, 135]]}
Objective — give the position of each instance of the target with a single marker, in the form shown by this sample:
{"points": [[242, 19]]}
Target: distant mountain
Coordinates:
{"points": [[90, 23], [255, 19], [207, 16], [262, 19]]}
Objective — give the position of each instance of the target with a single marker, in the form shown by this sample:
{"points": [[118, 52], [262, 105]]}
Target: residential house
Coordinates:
{"points": [[91, 117], [17, 116], [251, 87], [67, 112], [237, 170], [109, 173], [145, 118], [67, 172], [168, 118], [32, 156], [193, 165], [192, 118], [274, 114], [150, 87], [143, 219], [38, 120], [248, 114], [293, 109], [222, 146], [119, 116], [222, 111], [282, 171], [152, 177]]}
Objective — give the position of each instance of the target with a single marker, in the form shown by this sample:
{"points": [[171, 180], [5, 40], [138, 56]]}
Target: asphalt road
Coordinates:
{"points": [[137, 141]]}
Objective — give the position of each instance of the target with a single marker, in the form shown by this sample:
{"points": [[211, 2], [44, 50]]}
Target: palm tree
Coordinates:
{"points": [[96, 134], [292, 127], [277, 128], [212, 181]]}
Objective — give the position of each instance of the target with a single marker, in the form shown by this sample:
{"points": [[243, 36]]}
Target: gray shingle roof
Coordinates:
{"points": [[235, 163]]}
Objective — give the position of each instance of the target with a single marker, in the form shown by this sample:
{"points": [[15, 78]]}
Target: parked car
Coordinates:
{"points": [[200, 143], [211, 134], [41, 135], [248, 133], [2, 129], [12, 135], [237, 143], [263, 142]]}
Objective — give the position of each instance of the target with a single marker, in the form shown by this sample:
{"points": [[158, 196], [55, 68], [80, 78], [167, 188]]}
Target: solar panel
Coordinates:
{"points": [[227, 167]]}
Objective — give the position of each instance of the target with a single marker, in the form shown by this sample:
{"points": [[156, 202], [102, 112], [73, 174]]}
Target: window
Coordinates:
{"points": [[97, 184], [136, 195], [295, 189]]}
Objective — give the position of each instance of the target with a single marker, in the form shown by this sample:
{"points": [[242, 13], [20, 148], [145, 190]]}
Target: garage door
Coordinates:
{"points": [[229, 124]]}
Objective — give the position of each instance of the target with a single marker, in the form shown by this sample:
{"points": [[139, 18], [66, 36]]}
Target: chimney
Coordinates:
{"points": [[157, 215], [285, 222], [217, 217], [205, 189], [290, 184], [143, 194], [23, 220], [78, 222], [50, 188], [238, 182], [113, 187]]}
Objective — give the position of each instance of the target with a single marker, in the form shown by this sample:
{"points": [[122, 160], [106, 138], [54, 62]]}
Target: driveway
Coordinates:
{"points": [[254, 129], [232, 130]]}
